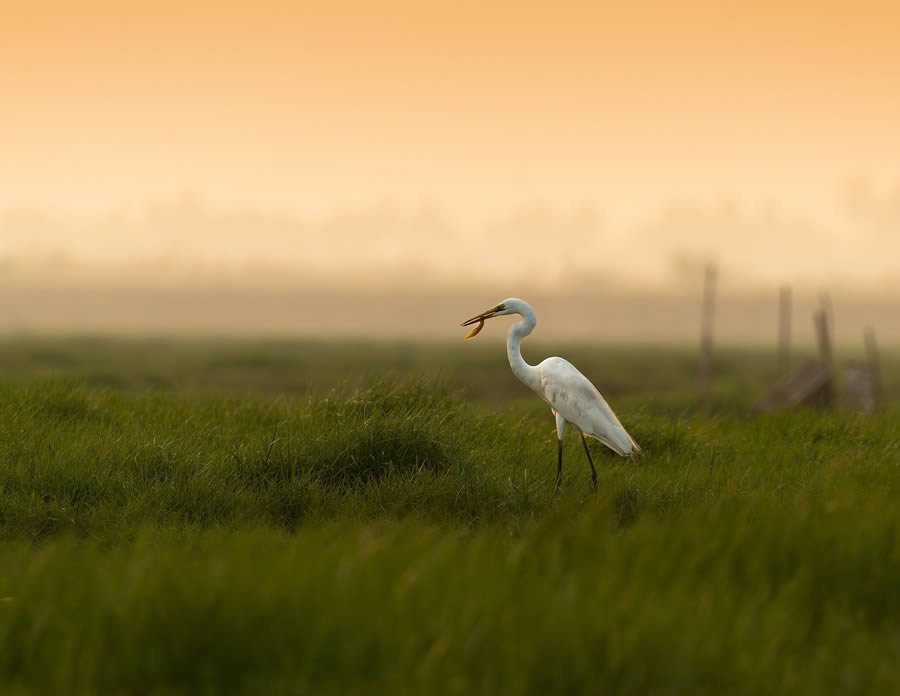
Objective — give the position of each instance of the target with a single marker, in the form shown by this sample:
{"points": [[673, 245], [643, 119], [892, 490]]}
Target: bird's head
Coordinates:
{"points": [[510, 305]]}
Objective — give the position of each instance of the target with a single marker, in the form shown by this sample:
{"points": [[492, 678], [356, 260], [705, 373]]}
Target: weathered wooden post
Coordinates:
{"points": [[784, 332], [706, 332], [828, 308], [874, 366], [820, 319]]}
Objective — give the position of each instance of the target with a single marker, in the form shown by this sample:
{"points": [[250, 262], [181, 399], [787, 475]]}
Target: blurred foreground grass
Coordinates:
{"points": [[243, 527]]}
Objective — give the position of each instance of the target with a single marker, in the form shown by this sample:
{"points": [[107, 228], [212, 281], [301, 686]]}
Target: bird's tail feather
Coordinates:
{"points": [[615, 447], [619, 448]]}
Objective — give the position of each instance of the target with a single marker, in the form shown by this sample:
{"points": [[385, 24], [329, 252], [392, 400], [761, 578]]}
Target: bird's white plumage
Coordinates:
{"points": [[572, 396], [569, 393]]}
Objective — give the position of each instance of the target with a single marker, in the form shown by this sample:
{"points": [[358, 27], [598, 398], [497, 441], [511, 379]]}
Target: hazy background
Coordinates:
{"points": [[391, 168]]}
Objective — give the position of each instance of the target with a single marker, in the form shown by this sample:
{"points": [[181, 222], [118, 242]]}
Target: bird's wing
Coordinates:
{"points": [[572, 395]]}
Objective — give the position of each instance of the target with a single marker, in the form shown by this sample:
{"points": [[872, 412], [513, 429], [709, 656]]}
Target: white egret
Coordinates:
{"points": [[571, 396]]}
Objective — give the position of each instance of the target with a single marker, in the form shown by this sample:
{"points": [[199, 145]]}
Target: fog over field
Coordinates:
{"points": [[388, 270]]}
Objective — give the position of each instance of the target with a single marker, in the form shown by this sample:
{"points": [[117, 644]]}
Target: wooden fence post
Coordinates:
{"points": [[784, 331], [874, 366], [706, 333], [820, 319]]}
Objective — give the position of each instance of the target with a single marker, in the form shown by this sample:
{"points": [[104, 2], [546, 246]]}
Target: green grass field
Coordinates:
{"points": [[301, 517]]}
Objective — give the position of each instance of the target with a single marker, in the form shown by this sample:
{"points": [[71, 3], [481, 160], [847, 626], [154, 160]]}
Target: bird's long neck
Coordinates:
{"points": [[528, 374]]}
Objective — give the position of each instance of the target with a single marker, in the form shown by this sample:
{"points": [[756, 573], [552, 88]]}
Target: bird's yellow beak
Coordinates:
{"points": [[479, 318]]}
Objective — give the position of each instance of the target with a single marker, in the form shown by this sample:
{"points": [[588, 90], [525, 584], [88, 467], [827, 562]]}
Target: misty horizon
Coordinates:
{"points": [[188, 268], [189, 242]]}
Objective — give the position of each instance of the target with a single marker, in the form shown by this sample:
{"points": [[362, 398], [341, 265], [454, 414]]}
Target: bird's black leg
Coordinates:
{"points": [[591, 461], [559, 465]]}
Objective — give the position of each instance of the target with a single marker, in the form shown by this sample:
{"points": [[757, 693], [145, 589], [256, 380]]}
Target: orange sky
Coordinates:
{"points": [[313, 106], [479, 108]]}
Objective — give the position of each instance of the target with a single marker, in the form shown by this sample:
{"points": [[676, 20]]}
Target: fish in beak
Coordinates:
{"points": [[479, 319]]}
